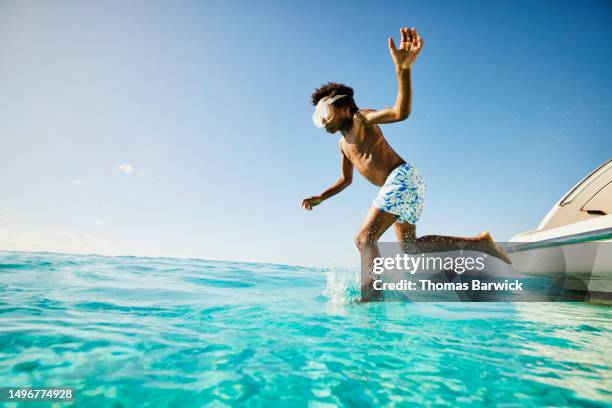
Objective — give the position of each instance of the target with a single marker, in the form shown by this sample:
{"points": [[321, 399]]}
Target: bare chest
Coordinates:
{"points": [[362, 148]]}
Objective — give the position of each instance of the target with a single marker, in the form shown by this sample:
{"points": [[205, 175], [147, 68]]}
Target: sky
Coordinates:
{"points": [[183, 129]]}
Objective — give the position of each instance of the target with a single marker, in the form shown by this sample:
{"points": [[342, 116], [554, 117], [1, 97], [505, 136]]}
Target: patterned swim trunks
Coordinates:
{"points": [[402, 194]]}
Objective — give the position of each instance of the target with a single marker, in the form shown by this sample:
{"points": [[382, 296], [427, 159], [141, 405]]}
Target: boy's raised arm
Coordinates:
{"points": [[403, 58]]}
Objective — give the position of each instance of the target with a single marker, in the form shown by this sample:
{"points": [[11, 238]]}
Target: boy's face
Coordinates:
{"points": [[329, 116], [335, 118]]}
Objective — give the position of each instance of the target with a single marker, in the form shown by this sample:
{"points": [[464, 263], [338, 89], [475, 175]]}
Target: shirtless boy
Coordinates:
{"points": [[400, 199]]}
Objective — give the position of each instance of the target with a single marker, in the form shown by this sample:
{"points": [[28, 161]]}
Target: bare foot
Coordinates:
{"points": [[368, 293], [492, 248]]}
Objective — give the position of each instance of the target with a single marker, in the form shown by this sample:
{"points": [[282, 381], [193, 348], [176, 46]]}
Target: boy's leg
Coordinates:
{"points": [[374, 225], [406, 234]]}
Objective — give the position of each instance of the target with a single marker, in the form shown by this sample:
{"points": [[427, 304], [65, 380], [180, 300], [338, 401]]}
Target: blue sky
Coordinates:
{"points": [[208, 105]]}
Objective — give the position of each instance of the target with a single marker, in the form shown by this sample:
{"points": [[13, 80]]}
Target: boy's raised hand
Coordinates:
{"points": [[409, 49]]}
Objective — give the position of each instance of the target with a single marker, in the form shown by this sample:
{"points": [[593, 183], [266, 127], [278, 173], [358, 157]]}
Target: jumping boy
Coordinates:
{"points": [[400, 199]]}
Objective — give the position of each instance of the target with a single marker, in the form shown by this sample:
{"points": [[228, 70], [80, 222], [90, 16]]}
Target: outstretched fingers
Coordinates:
{"points": [[417, 41], [407, 44], [392, 48], [404, 35], [411, 44], [408, 39]]}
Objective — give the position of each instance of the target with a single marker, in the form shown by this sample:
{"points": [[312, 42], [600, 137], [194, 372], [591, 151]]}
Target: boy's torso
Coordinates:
{"points": [[368, 150]]}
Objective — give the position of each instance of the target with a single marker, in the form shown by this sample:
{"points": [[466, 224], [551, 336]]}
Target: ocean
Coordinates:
{"points": [[145, 332]]}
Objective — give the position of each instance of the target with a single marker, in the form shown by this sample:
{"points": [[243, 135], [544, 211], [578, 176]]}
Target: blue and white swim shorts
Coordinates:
{"points": [[402, 194]]}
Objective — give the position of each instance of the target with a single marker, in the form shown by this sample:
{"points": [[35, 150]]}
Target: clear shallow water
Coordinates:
{"points": [[130, 331]]}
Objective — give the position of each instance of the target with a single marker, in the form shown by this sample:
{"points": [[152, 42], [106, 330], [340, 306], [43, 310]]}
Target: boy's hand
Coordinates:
{"points": [[409, 49], [310, 202]]}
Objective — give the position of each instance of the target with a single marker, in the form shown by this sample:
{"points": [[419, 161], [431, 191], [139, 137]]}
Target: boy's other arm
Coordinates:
{"points": [[403, 58], [343, 182]]}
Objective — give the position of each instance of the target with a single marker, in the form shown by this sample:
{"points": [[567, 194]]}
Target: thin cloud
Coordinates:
{"points": [[126, 168]]}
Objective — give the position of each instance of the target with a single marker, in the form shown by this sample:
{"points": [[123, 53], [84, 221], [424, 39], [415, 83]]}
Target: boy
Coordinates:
{"points": [[400, 200]]}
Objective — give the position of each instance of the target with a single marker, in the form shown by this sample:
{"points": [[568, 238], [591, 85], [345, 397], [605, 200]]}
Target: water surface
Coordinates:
{"points": [[133, 331]]}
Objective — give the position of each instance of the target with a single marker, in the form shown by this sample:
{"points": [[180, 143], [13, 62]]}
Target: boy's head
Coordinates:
{"points": [[340, 112]]}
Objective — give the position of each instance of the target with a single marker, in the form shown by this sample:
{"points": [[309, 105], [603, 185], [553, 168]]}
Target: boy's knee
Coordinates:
{"points": [[409, 247], [364, 239], [409, 243]]}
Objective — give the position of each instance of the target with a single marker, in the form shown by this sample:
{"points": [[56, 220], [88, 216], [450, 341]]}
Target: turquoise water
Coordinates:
{"points": [[130, 331]]}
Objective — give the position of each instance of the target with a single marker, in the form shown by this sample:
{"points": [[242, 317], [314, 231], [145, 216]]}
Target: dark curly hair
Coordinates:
{"points": [[332, 89]]}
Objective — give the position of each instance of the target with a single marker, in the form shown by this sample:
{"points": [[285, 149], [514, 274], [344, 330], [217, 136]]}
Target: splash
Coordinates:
{"points": [[343, 286]]}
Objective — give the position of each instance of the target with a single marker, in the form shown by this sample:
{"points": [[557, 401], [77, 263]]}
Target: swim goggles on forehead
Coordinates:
{"points": [[322, 110]]}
